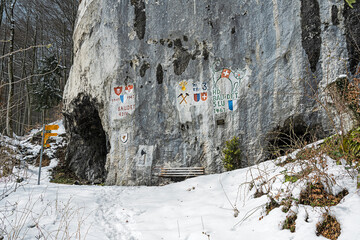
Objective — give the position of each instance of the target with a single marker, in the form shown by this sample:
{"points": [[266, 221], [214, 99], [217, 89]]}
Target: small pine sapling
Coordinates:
{"points": [[46, 90], [232, 152]]}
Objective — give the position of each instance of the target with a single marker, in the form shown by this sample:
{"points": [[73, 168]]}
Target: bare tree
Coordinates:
{"points": [[26, 26], [10, 15]]}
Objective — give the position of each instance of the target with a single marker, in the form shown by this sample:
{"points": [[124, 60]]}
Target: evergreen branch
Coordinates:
{"points": [[34, 75]]}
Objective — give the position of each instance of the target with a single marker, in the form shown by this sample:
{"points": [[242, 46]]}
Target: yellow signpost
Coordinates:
{"points": [[45, 137], [51, 127]]}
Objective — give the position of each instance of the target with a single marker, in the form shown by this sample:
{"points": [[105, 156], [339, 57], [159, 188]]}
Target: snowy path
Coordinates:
{"points": [[111, 215]]}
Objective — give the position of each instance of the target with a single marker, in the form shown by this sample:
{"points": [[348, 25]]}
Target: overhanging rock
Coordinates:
{"points": [[172, 80]]}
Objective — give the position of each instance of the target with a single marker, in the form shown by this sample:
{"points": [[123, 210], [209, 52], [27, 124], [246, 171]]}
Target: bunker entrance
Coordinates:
{"points": [[294, 134], [88, 143]]}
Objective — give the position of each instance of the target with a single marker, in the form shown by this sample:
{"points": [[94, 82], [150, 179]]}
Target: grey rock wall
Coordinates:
{"points": [[172, 80]]}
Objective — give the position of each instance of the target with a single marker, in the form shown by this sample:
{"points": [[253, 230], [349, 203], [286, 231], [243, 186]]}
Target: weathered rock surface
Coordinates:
{"points": [[165, 83]]}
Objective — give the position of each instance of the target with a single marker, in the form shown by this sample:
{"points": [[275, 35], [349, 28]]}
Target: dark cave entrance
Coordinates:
{"points": [[88, 142], [294, 134]]}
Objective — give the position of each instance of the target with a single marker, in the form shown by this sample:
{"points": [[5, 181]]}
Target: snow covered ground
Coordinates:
{"points": [[195, 209]]}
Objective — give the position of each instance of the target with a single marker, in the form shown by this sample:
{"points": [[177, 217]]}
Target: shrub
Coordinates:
{"points": [[232, 159], [316, 196], [344, 146], [271, 205], [290, 222], [329, 228], [351, 143]]}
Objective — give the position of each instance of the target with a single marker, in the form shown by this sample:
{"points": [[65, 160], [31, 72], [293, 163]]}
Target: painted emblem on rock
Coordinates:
{"points": [[197, 97], [195, 87], [198, 90], [190, 94], [122, 98], [129, 88], [225, 73], [225, 90], [204, 96], [200, 96], [184, 96], [124, 137], [230, 104], [118, 90], [183, 85], [122, 101]]}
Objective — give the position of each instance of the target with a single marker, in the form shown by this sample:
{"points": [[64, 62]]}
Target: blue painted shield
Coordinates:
{"points": [[230, 102], [122, 98], [197, 97]]}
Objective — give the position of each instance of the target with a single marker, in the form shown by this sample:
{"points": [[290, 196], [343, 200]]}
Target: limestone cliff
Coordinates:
{"points": [[166, 82]]}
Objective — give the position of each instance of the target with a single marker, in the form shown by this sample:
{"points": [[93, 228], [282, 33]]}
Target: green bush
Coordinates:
{"points": [[232, 152], [351, 143], [344, 146]]}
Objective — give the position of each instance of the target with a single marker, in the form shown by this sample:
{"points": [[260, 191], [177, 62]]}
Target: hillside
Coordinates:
{"points": [[232, 205]]}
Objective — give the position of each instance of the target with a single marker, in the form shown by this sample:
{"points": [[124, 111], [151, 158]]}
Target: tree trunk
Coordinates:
{"points": [[3, 97], [64, 52], [9, 120], [33, 66], [23, 75], [2, 7]]}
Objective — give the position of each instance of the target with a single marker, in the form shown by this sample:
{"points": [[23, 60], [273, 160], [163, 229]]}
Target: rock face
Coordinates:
{"points": [[165, 83]]}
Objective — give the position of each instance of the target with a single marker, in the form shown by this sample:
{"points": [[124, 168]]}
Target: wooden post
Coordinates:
{"points": [[41, 152]]}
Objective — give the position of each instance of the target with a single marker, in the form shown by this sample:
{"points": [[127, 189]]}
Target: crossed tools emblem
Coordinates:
{"points": [[183, 97]]}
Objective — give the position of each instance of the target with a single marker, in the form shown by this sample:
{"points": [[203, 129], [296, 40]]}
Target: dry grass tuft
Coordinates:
{"points": [[45, 161], [329, 228], [286, 203], [271, 205], [290, 222], [287, 160], [259, 193], [7, 161], [316, 196]]}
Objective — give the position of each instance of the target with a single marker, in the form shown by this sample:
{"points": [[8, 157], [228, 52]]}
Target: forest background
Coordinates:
{"points": [[35, 54]]}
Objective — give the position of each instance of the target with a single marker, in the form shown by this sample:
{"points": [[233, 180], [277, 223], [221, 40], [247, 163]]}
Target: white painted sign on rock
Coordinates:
{"points": [[122, 102]]}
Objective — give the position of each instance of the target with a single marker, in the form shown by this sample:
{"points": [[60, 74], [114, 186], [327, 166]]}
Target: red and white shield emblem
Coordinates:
{"points": [[129, 88], [204, 96], [124, 137], [225, 73], [118, 90]]}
